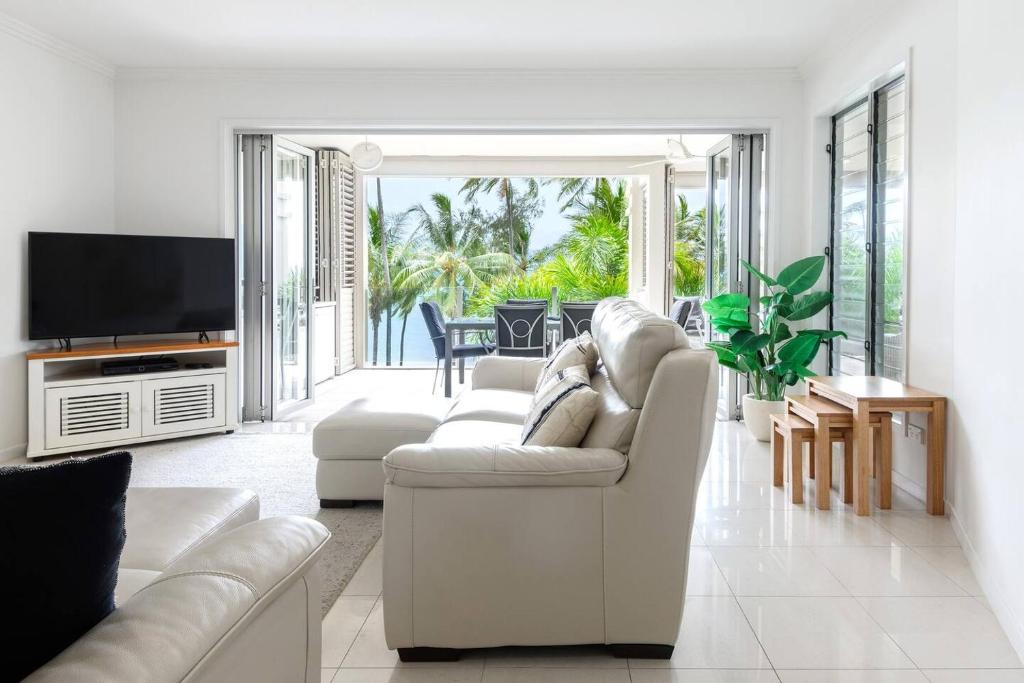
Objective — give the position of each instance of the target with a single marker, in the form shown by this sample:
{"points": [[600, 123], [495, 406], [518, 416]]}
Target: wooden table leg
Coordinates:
{"points": [[936, 495], [796, 464], [823, 463], [778, 455], [883, 471], [861, 458], [848, 466]]}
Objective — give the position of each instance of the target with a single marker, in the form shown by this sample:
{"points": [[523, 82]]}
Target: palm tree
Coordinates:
{"points": [[385, 275], [571, 191], [690, 227], [453, 255], [382, 292], [605, 198], [505, 189]]}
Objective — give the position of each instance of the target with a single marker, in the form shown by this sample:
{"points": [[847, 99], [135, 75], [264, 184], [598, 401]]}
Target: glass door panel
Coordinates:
{"points": [[291, 277], [734, 220], [721, 253]]}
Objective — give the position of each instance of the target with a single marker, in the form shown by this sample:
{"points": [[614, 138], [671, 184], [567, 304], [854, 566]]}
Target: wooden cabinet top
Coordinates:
{"points": [[129, 348]]}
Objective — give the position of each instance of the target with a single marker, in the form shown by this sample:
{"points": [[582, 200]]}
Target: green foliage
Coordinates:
{"points": [[451, 259], [774, 358]]}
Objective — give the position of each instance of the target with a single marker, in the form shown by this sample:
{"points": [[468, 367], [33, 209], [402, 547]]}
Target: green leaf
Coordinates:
{"points": [[746, 342], [758, 274], [726, 302], [806, 306], [748, 364], [781, 334], [729, 326], [801, 347], [827, 334], [800, 276]]}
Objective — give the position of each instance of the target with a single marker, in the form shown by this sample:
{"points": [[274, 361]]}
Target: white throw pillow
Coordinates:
{"points": [[581, 350], [562, 410]]}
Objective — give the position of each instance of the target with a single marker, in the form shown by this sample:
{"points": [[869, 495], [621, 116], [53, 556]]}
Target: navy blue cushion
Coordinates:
{"points": [[61, 536]]}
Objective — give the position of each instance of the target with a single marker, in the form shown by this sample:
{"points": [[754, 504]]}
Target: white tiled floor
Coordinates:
{"points": [[776, 592]]}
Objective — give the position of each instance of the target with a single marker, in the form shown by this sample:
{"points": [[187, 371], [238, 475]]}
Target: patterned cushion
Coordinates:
{"points": [[562, 410], [579, 350]]}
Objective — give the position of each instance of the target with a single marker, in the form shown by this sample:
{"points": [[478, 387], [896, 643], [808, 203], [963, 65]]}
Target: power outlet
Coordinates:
{"points": [[916, 433]]}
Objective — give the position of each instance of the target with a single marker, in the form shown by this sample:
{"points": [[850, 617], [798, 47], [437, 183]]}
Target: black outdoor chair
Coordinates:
{"points": [[435, 327], [528, 302], [693, 320], [576, 317], [521, 330]]}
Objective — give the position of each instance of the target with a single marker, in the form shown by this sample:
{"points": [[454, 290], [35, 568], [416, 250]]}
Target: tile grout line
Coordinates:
{"points": [[735, 600], [360, 630]]}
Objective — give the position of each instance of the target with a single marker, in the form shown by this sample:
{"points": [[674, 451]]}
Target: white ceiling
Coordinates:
{"points": [[457, 34]]}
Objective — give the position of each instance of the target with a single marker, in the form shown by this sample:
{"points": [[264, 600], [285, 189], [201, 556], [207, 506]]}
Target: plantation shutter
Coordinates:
{"points": [[335, 248]]}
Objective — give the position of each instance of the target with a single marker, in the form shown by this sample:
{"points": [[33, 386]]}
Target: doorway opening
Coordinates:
{"points": [[336, 260]]}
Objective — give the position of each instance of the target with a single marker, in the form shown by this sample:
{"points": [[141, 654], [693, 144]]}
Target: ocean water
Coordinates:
{"points": [[419, 350]]}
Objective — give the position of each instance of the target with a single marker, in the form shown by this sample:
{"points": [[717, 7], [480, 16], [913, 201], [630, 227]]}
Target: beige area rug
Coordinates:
{"points": [[280, 468]]}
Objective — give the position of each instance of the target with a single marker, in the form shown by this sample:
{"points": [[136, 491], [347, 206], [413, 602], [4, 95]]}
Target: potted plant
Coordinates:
{"points": [[771, 357]]}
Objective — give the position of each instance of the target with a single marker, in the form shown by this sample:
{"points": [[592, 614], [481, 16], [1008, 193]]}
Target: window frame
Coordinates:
{"points": [[870, 97]]}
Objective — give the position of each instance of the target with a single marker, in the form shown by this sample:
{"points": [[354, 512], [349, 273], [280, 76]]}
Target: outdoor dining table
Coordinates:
{"points": [[456, 328]]}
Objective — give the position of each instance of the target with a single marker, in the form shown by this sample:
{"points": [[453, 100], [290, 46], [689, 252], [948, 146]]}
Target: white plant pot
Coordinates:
{"points": [[756, 416]]}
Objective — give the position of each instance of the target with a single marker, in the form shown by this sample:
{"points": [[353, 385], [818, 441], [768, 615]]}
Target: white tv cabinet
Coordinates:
{"points": [[72, 406]]}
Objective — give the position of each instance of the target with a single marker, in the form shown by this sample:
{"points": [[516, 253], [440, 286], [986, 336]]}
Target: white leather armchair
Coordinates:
{"points": [[242, 606], [493, 544]]}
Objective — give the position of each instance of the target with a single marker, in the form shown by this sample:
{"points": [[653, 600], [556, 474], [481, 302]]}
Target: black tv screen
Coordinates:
{"points": [[84, 285]]}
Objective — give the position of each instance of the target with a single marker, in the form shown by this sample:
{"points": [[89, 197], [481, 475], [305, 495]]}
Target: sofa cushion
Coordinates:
{"points": [[368, 428], [62, 534], [579, 350], [614, 422], [632, 341], [562, 410], [492, 405], [439, 466], [475, 433], [165, 523]]}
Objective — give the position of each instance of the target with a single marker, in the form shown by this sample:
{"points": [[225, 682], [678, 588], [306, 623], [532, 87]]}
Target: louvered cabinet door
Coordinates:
{"points": [[180, 404], [92, 414]]}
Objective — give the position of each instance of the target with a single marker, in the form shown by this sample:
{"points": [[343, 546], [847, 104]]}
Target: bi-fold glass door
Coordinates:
{"points": [[275, 211], [734, 215]]}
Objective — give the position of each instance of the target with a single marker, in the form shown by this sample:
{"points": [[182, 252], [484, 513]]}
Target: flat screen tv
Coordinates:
{"points": [[85, 285]]}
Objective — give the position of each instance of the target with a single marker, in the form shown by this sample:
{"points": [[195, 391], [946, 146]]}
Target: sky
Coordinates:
{"points": [[402, 193]]}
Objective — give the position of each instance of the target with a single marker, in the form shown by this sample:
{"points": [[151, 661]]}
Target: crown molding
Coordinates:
{"points": [[392, 75], [55, 46]]}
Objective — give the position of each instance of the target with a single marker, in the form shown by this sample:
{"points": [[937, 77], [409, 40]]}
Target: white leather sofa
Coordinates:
{"points": [[490, 543], [206, 592]]}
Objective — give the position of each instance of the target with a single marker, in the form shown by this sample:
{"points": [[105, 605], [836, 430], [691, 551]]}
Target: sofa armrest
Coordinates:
{"points": [[507, 372], [440, 466], [200, 607]]}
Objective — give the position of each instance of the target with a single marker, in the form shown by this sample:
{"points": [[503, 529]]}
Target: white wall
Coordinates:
{"points": [[57, 174], [172, 126], [921, 34], [988, 467]]}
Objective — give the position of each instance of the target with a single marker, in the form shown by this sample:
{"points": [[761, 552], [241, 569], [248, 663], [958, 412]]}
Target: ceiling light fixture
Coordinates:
{"points": [[366, 156]]}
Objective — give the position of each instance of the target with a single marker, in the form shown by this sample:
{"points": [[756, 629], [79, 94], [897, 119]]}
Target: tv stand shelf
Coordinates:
{"points": [[73, 407]]}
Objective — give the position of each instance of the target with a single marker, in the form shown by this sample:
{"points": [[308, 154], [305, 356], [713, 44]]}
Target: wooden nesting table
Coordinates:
{"points": [[864, 395]]}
